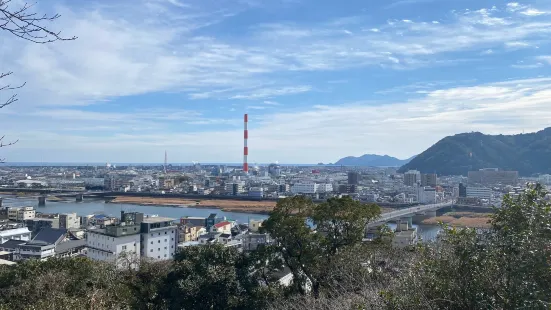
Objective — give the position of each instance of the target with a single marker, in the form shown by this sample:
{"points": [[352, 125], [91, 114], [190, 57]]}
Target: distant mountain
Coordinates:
{"points": [[456, 155], [372, 160]]}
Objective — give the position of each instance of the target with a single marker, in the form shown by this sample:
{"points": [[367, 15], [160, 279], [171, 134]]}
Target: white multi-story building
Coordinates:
{"points": [[23, 234], [159, 238], [304, 188], [426, 195], [19, 214], [311, 188], [479, 192], [69, 220], [325, 188], [114, 242]]}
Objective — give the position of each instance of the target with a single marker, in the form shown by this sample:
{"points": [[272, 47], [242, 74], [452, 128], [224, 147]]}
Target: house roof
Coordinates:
{"points": [[66, 246], [16, 231], [222, 224], [11, 244], [48, 236]]}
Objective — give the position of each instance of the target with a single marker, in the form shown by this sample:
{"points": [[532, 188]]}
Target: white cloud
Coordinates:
{"points": [[533, 12], [157, 48], [402, 128], [517, 44], [546, 59], [166, 53], [272, 92]]}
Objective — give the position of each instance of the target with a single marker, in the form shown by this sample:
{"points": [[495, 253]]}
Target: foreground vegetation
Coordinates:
{"points": [[507, 266]]}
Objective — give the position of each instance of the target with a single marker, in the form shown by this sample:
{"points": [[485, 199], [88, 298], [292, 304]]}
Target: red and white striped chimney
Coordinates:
{"points": [[245, 148]]}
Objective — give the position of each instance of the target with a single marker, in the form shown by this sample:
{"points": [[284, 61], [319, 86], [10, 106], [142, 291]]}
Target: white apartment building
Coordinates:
{"points": [[19, 214], [304, 188], [479, 192], [426, 195], [69, 220], [311, 188], [23, 234], [325, 188], [110, 243], [159, 238]]}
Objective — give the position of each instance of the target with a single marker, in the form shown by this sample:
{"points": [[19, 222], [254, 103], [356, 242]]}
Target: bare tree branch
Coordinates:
{"points": [[29, 26]]}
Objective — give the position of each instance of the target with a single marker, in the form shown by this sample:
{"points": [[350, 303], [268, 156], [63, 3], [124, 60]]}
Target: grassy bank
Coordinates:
{"points": [[461, 219], [258, 207]]}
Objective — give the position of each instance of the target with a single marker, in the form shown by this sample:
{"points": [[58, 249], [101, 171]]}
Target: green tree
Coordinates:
{"points": [[310, 237], [212, 277], [505, 267]]}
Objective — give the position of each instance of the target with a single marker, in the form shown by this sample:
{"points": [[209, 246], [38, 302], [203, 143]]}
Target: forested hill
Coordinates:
{"points": [[456, 155]]}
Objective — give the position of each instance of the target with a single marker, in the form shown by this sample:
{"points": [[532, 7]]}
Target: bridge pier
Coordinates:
{"points": [[79, 197], [430, 214], [41, 200], [0, 202]]}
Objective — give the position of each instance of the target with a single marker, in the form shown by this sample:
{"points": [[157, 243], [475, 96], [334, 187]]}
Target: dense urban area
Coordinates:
{"points": [[29, 232]]}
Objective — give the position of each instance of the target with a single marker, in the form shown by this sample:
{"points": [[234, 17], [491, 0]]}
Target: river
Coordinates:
{"points": [[95, 206]]}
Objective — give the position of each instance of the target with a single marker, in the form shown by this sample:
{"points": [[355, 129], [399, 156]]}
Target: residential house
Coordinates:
{"points": [[252, 241], [254, 225], [222, 227], [50, 242]]}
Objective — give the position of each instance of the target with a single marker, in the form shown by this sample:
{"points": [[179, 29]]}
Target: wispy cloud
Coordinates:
{"points": [[546, 59], [503, 107], [272, 92]]}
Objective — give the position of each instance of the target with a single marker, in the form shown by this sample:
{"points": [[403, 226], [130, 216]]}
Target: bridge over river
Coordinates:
{"points": [[423, 211]]}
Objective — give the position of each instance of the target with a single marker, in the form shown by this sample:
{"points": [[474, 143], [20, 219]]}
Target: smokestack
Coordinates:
{"points": [[245, 148]]}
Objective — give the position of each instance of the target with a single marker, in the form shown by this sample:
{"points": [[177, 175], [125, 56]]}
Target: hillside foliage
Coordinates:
{"points": [[456, 155], [505, 267]]}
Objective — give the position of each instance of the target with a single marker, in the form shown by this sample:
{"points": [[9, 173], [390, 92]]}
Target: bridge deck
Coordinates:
{"points": [[385, 217]]}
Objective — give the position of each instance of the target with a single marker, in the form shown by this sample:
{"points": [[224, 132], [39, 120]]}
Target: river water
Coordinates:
{"points": [[95, 206]]}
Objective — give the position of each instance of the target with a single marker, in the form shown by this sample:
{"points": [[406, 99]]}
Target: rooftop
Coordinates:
{"points": [[16, 231], [221, 224], [157, 219]]}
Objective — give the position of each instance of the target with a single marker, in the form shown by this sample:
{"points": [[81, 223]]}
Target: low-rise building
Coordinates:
{"points": [[37, 223], [69, 220], [50, 242], [23, 234], [19, 214], [479, 192], [254, 225], [193, 221], [222, 227], [252, 241]]}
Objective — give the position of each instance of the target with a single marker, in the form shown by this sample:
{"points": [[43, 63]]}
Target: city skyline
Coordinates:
{"points": [[319, 80]]}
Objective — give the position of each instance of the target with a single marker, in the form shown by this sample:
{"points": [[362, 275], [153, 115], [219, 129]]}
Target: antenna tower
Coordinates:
{"points": [[166, 159], [245, 147]]}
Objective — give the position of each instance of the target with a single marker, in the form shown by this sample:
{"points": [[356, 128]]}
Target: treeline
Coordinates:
{"points": [[505, 267]]}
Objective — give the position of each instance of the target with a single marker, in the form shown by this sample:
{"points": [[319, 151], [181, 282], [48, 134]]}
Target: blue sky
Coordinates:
{"points": [[320, 79]]}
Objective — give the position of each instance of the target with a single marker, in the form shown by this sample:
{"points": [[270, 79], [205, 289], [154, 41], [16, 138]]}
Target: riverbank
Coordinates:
{"points": [[256, 207], [242, 206], [461, 219]]}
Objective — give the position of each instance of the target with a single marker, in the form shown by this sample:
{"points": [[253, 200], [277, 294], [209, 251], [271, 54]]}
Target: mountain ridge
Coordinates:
{"points": [[372, 160], [528, 154]]}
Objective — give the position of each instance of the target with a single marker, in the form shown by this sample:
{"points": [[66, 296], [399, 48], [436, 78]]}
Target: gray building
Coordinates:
{"points": [[353, 177], [492, 176], [429, 179]]}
